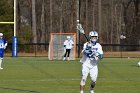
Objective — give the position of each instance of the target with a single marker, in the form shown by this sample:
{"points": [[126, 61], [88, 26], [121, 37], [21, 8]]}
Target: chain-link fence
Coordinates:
{"points": [[110, 50]]}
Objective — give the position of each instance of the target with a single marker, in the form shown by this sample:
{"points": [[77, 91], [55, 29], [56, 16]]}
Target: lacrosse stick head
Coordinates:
{"points": [[80, 28]]}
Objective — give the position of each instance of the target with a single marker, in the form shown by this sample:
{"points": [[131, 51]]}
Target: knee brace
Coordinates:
{"points": [[92, 85]]}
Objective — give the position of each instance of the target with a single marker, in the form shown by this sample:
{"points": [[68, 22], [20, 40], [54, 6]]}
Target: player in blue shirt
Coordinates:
{"points": [[3, 45]]}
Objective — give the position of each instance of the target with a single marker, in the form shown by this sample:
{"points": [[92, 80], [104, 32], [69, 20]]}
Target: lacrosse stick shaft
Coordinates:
{"points": [[86, 37]]}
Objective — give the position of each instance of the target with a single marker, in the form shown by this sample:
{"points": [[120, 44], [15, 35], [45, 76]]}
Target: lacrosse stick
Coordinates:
{"points": [[81, 30]]}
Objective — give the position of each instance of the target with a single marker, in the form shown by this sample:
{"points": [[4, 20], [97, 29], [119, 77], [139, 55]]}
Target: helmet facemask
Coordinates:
{"points": [[68, 37], [93, 36], [0, 37]]}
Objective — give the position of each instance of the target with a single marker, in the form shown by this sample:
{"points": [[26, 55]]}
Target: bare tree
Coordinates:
{"points": [[43, 25], [100, 17], [34, 22]]}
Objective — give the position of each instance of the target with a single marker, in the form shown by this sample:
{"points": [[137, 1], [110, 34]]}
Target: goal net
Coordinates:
{"points": [[56, 46]]}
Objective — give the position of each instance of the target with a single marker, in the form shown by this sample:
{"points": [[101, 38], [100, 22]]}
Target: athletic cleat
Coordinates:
{"points": [[91, 91], [1, 68], [64, 58]]}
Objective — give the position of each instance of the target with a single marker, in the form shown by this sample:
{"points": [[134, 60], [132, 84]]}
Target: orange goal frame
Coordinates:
{"points": [[51, 34]]}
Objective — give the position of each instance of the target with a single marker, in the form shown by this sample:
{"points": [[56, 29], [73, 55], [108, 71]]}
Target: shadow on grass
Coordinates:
{"points": [[19, 90]]}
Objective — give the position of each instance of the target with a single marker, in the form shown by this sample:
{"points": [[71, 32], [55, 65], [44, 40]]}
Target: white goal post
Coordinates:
{"points": [[56, 46]]}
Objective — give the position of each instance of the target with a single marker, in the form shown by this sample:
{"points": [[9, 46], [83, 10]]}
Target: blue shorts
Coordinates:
{"points": [[1, 53]]}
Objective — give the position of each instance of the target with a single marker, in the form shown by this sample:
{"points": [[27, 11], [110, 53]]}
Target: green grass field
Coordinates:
{"points": [[38, 75]]}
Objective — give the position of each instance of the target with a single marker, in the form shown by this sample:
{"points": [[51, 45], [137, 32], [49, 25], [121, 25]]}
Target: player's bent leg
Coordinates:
{"points": [[93, 76], [85, 72], [82, 84]]}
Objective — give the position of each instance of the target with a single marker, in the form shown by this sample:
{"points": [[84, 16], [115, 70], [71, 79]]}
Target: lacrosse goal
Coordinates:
{"points": [[56, 47]]}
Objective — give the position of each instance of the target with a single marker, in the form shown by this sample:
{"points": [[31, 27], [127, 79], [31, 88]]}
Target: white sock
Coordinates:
{"points": [[0, 62], [64, 58], [81, 91], [91, 91]]}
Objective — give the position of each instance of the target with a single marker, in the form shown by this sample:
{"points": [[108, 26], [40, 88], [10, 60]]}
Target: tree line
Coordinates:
{"points": [[36, 19]]}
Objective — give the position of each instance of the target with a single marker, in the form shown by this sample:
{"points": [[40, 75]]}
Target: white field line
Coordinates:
{"points": [[41, 80]]}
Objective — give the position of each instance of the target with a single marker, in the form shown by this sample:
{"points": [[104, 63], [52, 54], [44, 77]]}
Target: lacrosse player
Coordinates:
{"points": [[68, 45], [3, 45], [92, 53]]}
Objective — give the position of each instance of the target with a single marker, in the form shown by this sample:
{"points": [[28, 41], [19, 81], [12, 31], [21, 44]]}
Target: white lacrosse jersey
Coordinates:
{"points": [[68, 44], [86, 60]]}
